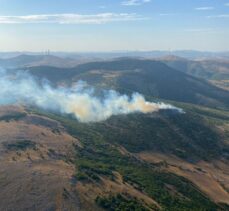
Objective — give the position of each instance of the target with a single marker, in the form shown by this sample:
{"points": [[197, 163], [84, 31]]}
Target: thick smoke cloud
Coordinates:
{"points": [[79, 100]]}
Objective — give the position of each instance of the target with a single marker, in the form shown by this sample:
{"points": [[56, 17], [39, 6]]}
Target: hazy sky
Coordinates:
{"points": [[106, 25]]}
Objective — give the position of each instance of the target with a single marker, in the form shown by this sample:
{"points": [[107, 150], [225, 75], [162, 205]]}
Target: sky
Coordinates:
{"points": [[114, 25]]}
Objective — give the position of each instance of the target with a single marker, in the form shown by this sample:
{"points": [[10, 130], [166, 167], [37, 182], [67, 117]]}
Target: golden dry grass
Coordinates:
{"points": [[106, 187], [36, 178], [212, 178]]}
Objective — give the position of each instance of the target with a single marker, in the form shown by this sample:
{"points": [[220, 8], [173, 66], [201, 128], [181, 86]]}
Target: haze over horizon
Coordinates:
{"points": [[127, 25]]}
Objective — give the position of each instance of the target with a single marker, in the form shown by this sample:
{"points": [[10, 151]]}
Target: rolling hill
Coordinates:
{"points": [[214, 70], [211, 69], [26, 60], [151, 78]]}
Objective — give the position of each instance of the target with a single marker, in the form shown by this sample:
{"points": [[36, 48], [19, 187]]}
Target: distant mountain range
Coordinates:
{"points": [[189, 54], [215, 66], [25, 60]]}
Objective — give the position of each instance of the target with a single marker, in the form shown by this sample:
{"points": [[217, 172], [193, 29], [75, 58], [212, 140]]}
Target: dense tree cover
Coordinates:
{"points": [[119, 203], [20, 145], [12, 116]]}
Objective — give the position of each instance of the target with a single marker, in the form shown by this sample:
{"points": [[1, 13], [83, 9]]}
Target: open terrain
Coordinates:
{"points": [[34, 173], [81, 162], [163, 160]]}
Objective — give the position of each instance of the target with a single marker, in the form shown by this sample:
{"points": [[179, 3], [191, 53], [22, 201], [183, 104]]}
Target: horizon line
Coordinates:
{"points": [[114, 51]]}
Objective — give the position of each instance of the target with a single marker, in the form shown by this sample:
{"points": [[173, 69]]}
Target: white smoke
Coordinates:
{"points": [[79, 101]]}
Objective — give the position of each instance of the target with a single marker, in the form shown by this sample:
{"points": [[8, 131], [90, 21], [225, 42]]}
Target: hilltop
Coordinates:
{"points": [[151, 78]]}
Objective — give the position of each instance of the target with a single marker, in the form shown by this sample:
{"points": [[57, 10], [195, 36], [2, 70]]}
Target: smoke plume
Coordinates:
{"points": [[79, 100]]}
